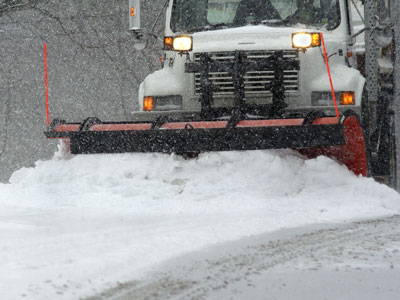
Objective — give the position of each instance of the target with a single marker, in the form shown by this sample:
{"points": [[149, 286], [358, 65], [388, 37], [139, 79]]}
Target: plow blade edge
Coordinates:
{"points": [[343, 141]]}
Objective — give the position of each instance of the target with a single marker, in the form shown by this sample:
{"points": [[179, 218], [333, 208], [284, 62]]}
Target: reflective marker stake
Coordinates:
{"points": [[329, 74], [45, 83]]}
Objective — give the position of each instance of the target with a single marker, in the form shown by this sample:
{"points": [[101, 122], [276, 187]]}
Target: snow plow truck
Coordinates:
{"points": [[261, 74]]}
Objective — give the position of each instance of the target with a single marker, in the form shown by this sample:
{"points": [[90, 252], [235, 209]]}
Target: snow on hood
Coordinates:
{"points": [[70, 227], [254, 37]]}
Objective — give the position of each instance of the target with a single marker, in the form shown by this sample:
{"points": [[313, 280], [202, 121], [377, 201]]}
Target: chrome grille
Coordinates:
{"points": [[254, 81]]}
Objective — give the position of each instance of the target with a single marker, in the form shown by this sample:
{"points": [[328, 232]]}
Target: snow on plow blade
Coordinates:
{"points": [[322, 136]]}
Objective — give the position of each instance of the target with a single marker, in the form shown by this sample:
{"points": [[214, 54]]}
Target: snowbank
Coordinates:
{"points": [[73, 227]]}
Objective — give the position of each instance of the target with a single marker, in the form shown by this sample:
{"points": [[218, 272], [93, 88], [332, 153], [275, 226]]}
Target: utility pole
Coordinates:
{"points": [[396, 104], [370, 12]]}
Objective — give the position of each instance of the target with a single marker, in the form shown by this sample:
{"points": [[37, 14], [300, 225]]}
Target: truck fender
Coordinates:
{"points": [[344, 79], [163, 82]]}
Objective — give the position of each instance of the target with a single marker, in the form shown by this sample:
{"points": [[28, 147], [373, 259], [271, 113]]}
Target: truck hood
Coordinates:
{"points": [[245, 38]]}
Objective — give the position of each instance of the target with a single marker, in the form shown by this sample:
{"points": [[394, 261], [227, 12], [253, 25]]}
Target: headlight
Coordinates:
{"points": [[179, 43], [165, 103], [183, 43], [326, 99], [162, 103], [323, 98], [305, 40]]}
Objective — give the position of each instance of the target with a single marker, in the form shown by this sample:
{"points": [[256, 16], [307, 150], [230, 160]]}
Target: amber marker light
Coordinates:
{"points": [[168, 41], [132, 11], [316, 40], [347, 98], [148, 103]]}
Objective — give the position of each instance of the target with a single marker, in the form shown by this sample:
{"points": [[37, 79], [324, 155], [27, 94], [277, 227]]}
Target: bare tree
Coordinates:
{"points": [[7, 6], [94, 69]]}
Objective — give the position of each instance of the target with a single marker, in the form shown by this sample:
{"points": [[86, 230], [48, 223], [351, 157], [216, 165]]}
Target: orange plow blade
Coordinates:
{"points": [[353, 153], [341, 139]]}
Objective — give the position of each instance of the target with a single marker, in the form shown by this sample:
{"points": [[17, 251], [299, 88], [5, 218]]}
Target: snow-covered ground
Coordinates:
{"points": [[347, 261], [73, 227]]}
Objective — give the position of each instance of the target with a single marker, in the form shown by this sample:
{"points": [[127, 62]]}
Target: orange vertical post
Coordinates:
{"points": [[46, 84], [329, 74]]}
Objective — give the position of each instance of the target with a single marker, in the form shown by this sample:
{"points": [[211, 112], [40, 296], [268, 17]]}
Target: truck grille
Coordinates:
{"points": [[254, 81]]}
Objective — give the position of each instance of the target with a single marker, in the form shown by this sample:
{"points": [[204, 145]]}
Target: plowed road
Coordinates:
{"points": [[359, 260]]}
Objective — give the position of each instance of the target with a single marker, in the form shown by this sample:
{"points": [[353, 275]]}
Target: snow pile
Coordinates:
{"points": [[73, 227]]}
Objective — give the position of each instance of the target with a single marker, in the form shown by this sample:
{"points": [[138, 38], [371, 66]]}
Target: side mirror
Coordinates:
{"points": [[141, 36], [383, 36], [134, 25], [134, 16], [140, 41]]}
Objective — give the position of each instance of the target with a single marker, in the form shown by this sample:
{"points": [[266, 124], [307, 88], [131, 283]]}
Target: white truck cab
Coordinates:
{"points": [[257, 28]]}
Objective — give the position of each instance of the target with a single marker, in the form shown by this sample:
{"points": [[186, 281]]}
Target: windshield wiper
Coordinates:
{"points": [[273, 22], [209, 27]]}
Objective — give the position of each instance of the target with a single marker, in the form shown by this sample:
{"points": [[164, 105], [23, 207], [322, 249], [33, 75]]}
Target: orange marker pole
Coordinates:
{"points": [[330, 77], [46, 84]]}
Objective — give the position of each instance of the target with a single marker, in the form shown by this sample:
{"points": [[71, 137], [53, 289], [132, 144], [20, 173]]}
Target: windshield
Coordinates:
{"points": [[201, 15]]}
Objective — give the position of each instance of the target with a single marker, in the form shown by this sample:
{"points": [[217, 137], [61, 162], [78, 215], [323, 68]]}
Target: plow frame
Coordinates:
{"points": [[228, 129], [266, 134]]}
